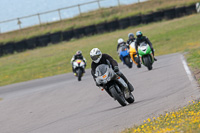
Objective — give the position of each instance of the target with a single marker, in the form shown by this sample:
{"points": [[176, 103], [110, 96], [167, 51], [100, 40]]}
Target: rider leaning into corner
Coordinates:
{"points": [[140, 39], [78, 55], [131, 38], [98, 58]]}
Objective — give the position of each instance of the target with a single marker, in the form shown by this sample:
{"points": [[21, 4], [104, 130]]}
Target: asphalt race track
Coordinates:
{"points": [[61, 104]]}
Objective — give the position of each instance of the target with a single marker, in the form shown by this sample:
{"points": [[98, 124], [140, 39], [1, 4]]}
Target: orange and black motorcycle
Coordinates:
{"points": [[133, 55]]}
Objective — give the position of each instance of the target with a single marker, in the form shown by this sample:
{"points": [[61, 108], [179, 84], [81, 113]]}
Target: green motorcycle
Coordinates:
{"points": [[146, 56]]}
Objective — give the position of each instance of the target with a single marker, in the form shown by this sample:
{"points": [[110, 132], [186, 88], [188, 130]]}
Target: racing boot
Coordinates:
{"points": [[130, 87], [153, 54], [125, 79]]}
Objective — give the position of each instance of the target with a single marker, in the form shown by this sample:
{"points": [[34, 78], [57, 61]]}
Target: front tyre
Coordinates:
{"points": [[137, 60], [79, 74], [139, 66], [127, 61], [119, 96], [147, 62], [150, 60]]}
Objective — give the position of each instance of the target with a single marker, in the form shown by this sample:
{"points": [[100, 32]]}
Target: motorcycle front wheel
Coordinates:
{"points": [[79, 74], [127, 61], [147, 62], [119, 96]]}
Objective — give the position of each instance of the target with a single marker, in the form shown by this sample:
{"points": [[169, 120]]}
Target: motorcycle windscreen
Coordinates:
{"points": [[143, 44], [101, 70], [124, 48]]}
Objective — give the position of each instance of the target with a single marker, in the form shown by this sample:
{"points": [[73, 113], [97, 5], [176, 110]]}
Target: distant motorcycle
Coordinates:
{"points": [[79, 67], [115, 86], [146, 55], [125, 57], [133, 54]]}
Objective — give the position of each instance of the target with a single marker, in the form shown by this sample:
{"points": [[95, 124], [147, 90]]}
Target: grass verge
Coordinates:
{"points": [[178, 35], [106, 14], [185, 120], [193, 58]]}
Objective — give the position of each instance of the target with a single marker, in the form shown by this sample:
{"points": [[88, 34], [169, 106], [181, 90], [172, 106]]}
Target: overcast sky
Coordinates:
{"points": [[18, 8]]}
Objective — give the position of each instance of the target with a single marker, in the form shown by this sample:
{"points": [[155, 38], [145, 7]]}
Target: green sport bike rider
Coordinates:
{"points": [[144, 50]]}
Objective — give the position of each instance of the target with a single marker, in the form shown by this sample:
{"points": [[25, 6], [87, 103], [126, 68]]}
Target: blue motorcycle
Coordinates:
{"points": [[125, 57]]}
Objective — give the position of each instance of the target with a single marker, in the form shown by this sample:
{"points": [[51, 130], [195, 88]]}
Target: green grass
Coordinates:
{"points": [[106, 14], [193, 59], [177, 35], [186, 120]]}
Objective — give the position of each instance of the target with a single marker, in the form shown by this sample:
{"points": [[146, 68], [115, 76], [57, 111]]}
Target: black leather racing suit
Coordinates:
{"points": [[129, 41], [103, 61], [143, 39], [120, 45]]}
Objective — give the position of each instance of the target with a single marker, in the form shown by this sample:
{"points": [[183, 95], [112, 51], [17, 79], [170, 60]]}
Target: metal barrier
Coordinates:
{"points": [[58, 16]]}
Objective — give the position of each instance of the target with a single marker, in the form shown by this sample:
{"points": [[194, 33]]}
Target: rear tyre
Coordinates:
{"points": [[79, 74], [127, 61], [119, 96], [131, 99]]}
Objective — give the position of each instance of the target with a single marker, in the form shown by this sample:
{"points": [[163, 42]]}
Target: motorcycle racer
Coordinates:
{"points": [[131, 38], [140, 39], [98, 58], [78, 55]]}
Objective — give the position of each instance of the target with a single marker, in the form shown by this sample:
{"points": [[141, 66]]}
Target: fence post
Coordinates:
{"points": [[79, 8], [99, 4], [59, 14], [19, 23], [39, 18], [118, 2], [198, 7]]}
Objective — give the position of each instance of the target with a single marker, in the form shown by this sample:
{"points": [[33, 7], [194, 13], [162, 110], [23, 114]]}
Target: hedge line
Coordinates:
{"points": [[54, 38]]}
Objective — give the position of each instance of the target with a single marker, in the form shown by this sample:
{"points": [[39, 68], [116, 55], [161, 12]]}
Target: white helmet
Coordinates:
{"points": [[120, 40], [95, 55]]}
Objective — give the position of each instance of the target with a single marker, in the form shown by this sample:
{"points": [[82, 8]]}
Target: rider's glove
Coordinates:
{"points": [[116, 69]]}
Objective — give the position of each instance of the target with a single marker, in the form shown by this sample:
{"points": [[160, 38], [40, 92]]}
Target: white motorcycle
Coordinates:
{"points": [[79, 67], [115, 86]]}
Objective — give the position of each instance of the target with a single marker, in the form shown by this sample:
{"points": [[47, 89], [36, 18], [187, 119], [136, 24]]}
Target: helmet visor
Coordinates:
{"points": [[95, 57], [139, 36]]}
